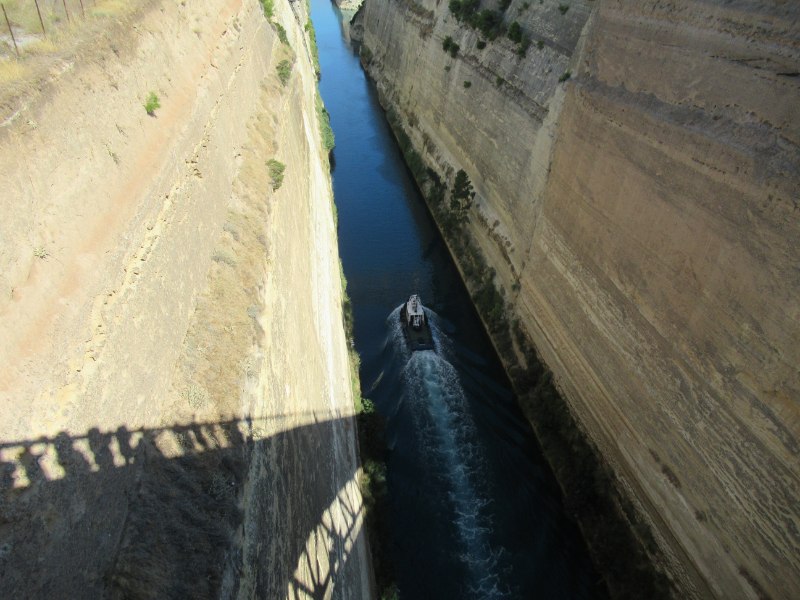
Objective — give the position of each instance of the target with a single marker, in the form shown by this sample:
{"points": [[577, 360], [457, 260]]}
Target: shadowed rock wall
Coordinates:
{"points": [[647, 214]]}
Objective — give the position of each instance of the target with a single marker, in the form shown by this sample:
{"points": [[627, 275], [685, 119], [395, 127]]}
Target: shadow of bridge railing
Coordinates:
{"points": [[195, 510]]}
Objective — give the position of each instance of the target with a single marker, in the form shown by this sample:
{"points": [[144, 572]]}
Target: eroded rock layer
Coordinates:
{"points": [[175, 386], [638, 192]]}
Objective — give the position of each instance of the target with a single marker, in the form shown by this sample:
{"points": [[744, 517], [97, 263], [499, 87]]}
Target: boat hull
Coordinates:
{"points": [[421, 339]]}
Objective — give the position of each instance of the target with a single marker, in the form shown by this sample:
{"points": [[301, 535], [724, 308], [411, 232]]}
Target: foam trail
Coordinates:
{"points": [[434, 392]]}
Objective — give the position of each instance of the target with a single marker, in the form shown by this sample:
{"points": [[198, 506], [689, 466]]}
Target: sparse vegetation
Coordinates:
{"points": [[540, 45], [225, 257], [489, 22], [152, 103], [413, 159], [448, 45], [40, 252], [525, 6], [499, 81], [284, 70], [503, 5], [269, 8], [276, 169], [312, 37], [282, 34], [447, 67], [366, 53], [563, 8], [564, 77], [326, 132], [467, 84], [461, 198]]}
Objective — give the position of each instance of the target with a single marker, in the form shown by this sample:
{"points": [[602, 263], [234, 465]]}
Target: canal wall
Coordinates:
{"points": [[174, 378], [637, 185]]}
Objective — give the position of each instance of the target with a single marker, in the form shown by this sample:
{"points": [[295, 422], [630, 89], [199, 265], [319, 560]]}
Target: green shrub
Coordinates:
{"points": [[515, 32], [462, 195], [276, 169], [564, 77], [489, 22], [152, 103], [447, 67], [462, 10], [499, 81], [312, 36], [563, 8], [467, 84], [326, 132], [503, 5], [448, 45], [282, 34], [540, 44], [284, 70], [481, 45], [269, 8]]}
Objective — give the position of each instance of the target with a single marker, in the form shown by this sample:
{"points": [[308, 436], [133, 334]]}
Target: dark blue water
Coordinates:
{"points": [[475, 511]]}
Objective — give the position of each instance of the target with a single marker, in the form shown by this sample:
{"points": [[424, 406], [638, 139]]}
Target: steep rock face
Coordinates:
{"points": [[646, 214], [175, 389]]}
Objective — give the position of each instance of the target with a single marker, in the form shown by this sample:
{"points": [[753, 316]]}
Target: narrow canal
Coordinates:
{"points": [[475, 512]]}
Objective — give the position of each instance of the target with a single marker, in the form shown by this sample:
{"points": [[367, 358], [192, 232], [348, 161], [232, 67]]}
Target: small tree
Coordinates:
{"points": [[276, 169], [515, 32], [152, 104], [284, 69], [461, 198]]}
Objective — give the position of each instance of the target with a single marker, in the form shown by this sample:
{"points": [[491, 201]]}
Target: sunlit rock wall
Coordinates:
{"points": [[646, 212], [177, 414]]}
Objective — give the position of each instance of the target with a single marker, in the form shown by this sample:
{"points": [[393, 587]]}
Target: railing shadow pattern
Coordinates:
{"points": [[193, 510]]}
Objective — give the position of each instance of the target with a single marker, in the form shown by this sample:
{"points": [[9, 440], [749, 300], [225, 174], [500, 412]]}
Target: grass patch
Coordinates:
{"points": [[284, 70], [269, 8], [225, 257], [152, 103], [326, 132], [276, 169], [312, 37], [282, 34]]}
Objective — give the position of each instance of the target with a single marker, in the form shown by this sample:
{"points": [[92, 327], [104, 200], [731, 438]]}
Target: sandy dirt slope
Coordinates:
{"points": [[121, 432]]}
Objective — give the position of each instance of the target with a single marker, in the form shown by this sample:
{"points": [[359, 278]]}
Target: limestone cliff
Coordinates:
{"points": [[174, 379], [638, 188]]}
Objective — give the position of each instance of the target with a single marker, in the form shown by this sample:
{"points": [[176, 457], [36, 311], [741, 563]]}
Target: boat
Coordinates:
{"points": [[415, 325]]}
